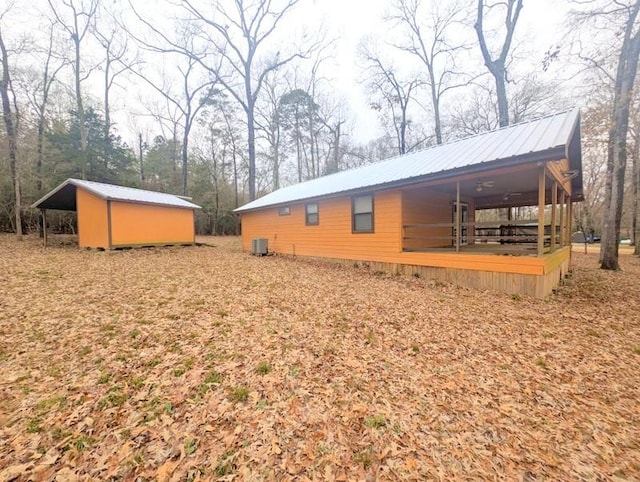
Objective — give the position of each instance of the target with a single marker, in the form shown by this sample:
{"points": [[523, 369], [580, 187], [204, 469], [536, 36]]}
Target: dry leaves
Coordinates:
{"points": [[206, 363]]}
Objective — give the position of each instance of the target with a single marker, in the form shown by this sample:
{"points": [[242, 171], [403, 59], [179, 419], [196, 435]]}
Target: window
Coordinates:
{"points": [[311, 214], [362, 214], [284, 211]]}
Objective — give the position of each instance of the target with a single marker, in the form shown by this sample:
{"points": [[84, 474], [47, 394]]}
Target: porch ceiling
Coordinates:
{"points": [[494, 189]]}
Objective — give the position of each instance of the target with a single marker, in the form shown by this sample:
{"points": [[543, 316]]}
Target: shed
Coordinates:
{"points": [[111, 216], [491, 211]]}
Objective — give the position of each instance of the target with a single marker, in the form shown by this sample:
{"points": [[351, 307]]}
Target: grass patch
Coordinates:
{"points": [[33, 425], [115, 398], [83, 443], [636, 350], [190, 446], [48, 403], [363, 458], [104, 378], [238, 394], [541, 363], [154, 362], [264, 368], [375, 421], [225, 465]]}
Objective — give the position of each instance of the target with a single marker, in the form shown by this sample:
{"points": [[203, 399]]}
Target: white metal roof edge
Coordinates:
{"points": [[92, 188], [572, 114], [51, 193]]}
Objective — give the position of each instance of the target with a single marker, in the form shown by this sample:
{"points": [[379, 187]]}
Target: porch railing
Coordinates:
{"points": [[418, 237]]}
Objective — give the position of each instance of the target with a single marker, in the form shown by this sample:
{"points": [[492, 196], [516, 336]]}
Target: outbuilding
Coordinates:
{"points": [[111, 216], [492, 211]]}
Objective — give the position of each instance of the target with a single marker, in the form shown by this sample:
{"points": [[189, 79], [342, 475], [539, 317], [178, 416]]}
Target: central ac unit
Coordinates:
{"points": [[259, 246]]}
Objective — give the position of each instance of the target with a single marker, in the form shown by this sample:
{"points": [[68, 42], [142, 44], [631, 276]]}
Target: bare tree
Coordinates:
{"points": [[116, 62], [77, 25], [397, 94], [239, 34], [10, 116], [38, 93], [431, 42], [195, 86], [498, 66], [270, 126], [617, 143]]}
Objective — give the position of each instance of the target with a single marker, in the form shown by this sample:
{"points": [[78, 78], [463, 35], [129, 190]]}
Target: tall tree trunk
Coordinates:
{"points": [[10, 125], [435, 101], [497, 66], [140, 147], [635, 177], [80, 108], [107, 113], [617, 149]]}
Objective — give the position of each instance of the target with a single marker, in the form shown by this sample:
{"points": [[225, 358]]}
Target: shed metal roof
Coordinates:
{"points": [[63, 197], [548, 138]]}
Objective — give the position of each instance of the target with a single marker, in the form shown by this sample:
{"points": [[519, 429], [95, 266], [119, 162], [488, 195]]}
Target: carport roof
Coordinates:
{"points": [[63, 197], [553, 137]]}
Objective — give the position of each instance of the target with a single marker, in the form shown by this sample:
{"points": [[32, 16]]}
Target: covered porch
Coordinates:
{"points": [[518, 211]]}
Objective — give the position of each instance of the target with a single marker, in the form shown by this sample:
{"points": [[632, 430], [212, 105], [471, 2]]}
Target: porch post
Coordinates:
{"points": [[563, 219], [569, 220], [554, 202], [44, 226], [458, 216], [541, 203]]}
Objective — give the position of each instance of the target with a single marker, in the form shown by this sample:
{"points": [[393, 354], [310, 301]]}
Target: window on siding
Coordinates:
{"points": [[311, 214], [284, 211], [362, 214]]}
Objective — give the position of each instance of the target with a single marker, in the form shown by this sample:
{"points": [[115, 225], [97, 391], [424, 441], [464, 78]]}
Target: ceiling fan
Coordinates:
{"points": [[509, 195], [482, 185]]}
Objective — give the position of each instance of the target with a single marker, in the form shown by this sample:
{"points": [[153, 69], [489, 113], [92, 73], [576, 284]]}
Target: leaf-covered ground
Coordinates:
{"points": [[198, 363]]}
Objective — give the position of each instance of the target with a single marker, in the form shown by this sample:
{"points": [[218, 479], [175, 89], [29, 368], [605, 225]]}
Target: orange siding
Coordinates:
{"points": [[332, 237], [421, 206], [92, 220], [135, 224]]}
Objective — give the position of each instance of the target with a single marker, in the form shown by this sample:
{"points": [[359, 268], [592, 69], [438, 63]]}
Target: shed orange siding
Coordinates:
{"points": [[93, 222], [136, 224]]}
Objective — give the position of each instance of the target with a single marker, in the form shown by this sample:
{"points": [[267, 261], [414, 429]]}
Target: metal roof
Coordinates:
{"points": [[547, 138], [63, 197]]}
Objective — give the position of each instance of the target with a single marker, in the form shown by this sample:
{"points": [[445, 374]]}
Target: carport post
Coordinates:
{"points": [[44, 226]]}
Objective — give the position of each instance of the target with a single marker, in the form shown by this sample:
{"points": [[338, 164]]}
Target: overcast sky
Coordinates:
{"points": [[349, 21]]}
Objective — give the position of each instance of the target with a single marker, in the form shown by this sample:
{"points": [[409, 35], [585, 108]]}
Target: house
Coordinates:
{"points": [[111, 216], [514, 187]]}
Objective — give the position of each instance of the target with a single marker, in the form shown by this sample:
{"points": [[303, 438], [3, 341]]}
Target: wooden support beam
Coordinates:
{"points": [[458, 216], [541, 204], [569, 220], [563, 219], [44, 226], [554, 220]]}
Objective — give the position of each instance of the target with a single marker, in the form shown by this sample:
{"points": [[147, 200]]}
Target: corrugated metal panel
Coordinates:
{"points": [[116, 193], [550, 132]]}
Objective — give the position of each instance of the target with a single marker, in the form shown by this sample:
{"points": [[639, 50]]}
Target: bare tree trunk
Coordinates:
{"points": [[497, 67], [141, 147], [635, 177], [617, 151], [10, 125]]}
